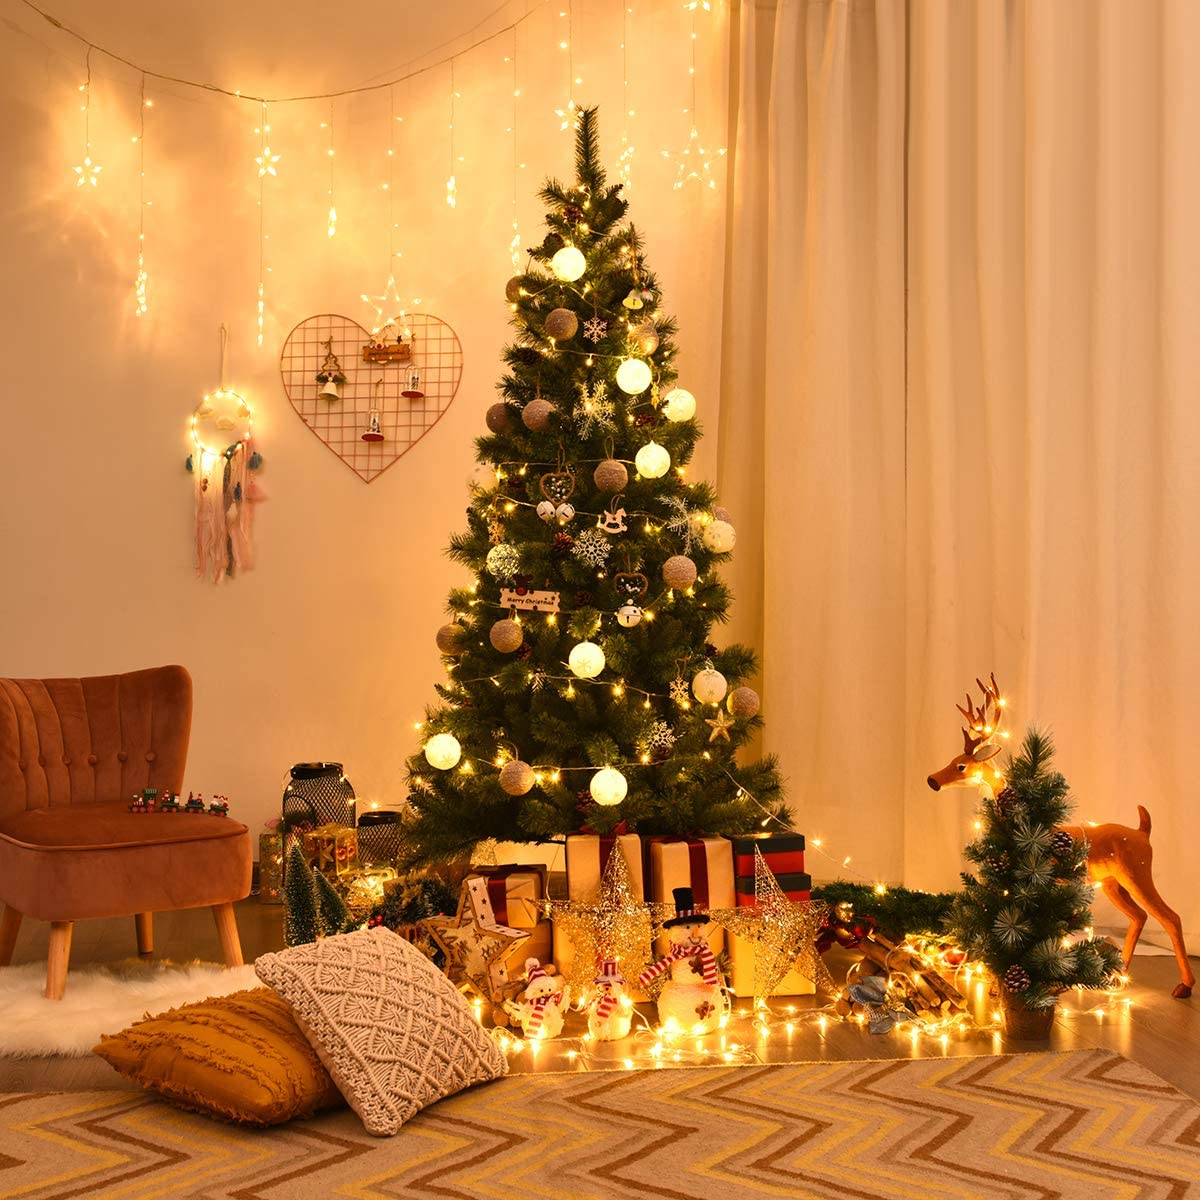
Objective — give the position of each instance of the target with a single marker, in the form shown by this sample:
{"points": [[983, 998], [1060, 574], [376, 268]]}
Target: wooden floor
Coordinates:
{"points": [[1160, 1033]]}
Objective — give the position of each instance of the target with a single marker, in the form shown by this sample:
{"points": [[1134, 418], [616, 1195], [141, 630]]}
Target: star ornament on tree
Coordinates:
{"points": [[783, 932], [615, 925], [721, 724], [475, 946]]}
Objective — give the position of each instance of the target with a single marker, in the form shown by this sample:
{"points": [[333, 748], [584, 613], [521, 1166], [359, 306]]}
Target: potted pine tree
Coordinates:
{"points": [[1029, 896]]}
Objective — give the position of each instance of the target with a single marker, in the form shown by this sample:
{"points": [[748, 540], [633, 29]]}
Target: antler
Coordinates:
{"points": [[984, 721]]}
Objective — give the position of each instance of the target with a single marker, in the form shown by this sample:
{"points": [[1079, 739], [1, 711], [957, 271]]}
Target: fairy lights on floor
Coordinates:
{"points": [[87, 172]]}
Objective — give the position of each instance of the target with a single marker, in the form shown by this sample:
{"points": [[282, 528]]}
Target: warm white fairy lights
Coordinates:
{"points": [[452, 178], [87, 172], [265, 161], [514, 246], [568, 113], [141, 279], [625, 158], [695, 163], [331, 227]]}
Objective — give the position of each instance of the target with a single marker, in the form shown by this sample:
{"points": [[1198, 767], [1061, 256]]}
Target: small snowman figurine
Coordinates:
{"points": [[540, 1010], [609, 1011], [694, 996]]}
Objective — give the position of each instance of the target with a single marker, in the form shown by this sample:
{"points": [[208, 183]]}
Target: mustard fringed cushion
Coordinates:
{"points": [[393, 1031], [240, 1057]]}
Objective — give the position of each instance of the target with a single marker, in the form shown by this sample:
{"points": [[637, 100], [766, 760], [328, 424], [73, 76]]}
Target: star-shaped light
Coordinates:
{"points": [[389, 308], [721, 724], [616, 925], [695, 163], [783, 933], [266, 162], [89, 172], [475, 946]]}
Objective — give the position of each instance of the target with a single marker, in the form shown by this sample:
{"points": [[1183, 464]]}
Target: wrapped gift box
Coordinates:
{"points": [[784, 852], [741, 973], [795, 887], [332, 849], [516, 891], [587, 856], [703, 864]]}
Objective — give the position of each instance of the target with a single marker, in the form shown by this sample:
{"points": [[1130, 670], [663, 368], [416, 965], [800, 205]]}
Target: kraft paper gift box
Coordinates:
{"points": [[516, 891], [703, 864]]}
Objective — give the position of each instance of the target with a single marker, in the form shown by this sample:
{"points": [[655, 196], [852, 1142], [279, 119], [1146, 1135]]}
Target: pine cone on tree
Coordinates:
{"points": [[998, 863], [573, 213], [1006, 800], [1062, 844], [1016, 979], [584, 598], [562, 545]]}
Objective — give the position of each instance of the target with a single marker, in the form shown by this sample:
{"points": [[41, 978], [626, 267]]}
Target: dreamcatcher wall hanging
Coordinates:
{"points": [[223, 463]]}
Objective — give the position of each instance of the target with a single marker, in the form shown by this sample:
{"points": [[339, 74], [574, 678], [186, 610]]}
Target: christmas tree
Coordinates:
{"points": [[582, 689], [312, 907], [1017, 915]]}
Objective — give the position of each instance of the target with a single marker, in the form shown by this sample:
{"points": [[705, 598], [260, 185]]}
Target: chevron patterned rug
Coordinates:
{"points": [[1087, 1125]]}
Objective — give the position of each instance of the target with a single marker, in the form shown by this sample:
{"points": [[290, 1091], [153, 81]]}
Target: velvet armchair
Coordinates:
{"points": [[72, 753]]}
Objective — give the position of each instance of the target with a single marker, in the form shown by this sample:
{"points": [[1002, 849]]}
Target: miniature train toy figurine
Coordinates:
{"points": [[149, 801], [219, 807]]}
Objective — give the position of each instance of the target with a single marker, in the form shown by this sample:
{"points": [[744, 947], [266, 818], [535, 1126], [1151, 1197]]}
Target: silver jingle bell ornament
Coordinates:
{"points": [[629, 615], [546, 510]]}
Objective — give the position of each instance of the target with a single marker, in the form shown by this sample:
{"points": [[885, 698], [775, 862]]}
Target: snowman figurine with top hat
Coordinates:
{"points": [[693, 998], [542, 1005], [609, 1009]]}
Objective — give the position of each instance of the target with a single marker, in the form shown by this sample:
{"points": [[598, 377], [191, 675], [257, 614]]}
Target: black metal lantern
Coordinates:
{"points": [[320, 791]]}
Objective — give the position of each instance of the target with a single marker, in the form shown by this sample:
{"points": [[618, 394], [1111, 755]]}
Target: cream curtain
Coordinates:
{"points": [[974, 434]]}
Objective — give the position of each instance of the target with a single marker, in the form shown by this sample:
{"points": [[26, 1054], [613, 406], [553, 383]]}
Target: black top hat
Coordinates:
{"points": [[685, 910]]}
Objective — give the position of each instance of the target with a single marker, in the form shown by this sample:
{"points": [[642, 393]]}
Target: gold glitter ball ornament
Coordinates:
{"points": [[451, 639], [743, 703], [499, 418], [679, 571], [536, 415], [506, 636], [561, 324], [611, 475], [516, 777]]}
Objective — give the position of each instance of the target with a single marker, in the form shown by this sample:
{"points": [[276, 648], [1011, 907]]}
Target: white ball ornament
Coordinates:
{"points": [[568, 264], [443, 751], [719, 536], [679, 571], [506, 636], [516, 777], [629, 615], [633, 376], [652, 461], [586, 660], [709, 686], [536, 415], [743, 703], [608, 787], [679, 405], [483, 478]]}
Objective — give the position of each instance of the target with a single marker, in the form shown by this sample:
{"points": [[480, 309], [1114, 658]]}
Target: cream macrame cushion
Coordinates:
{"points": [[391, 1029]]}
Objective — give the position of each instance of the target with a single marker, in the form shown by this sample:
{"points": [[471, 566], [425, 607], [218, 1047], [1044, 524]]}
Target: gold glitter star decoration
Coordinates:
{"points": [[721, 724], [474, 944], [783, 933], [617, 925]]}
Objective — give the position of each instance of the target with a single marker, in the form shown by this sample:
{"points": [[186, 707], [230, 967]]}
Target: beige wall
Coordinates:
{"points": [[326, 649]]}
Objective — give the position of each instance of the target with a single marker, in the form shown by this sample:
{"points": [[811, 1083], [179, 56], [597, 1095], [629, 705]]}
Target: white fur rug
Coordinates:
{"points": [[101, 998]]}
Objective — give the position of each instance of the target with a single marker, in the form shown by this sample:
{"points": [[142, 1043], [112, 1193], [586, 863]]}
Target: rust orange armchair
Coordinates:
{"points": [[72, 753]]}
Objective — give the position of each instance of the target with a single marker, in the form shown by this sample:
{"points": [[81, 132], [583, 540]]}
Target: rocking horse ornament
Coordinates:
{"points": [[1120, 858]]}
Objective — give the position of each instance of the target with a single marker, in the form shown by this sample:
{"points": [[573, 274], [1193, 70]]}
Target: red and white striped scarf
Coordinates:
{"points": [[708, 963], [539, 1011], [605, 1005]]}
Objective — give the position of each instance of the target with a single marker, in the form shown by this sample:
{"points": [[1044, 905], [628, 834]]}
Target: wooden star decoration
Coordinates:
{"points": [[721, 724], [783, 932], [475, 946], [616, 925]]}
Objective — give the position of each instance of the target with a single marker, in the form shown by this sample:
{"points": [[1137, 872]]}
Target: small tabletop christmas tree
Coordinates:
{"points": [[1031, 892], [582, 690]]}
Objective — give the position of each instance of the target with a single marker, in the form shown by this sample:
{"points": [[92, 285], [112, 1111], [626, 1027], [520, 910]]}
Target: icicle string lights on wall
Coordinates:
{"points": [[694, 162], [141, 279], [87, 172]]}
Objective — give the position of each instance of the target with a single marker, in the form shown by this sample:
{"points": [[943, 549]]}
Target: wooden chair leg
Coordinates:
{"points": [[145, 932], [10, 926], [227, 931], [58, 959]]}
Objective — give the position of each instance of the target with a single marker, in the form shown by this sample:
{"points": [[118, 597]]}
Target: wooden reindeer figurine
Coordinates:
{"points": [[1119, 858]]}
